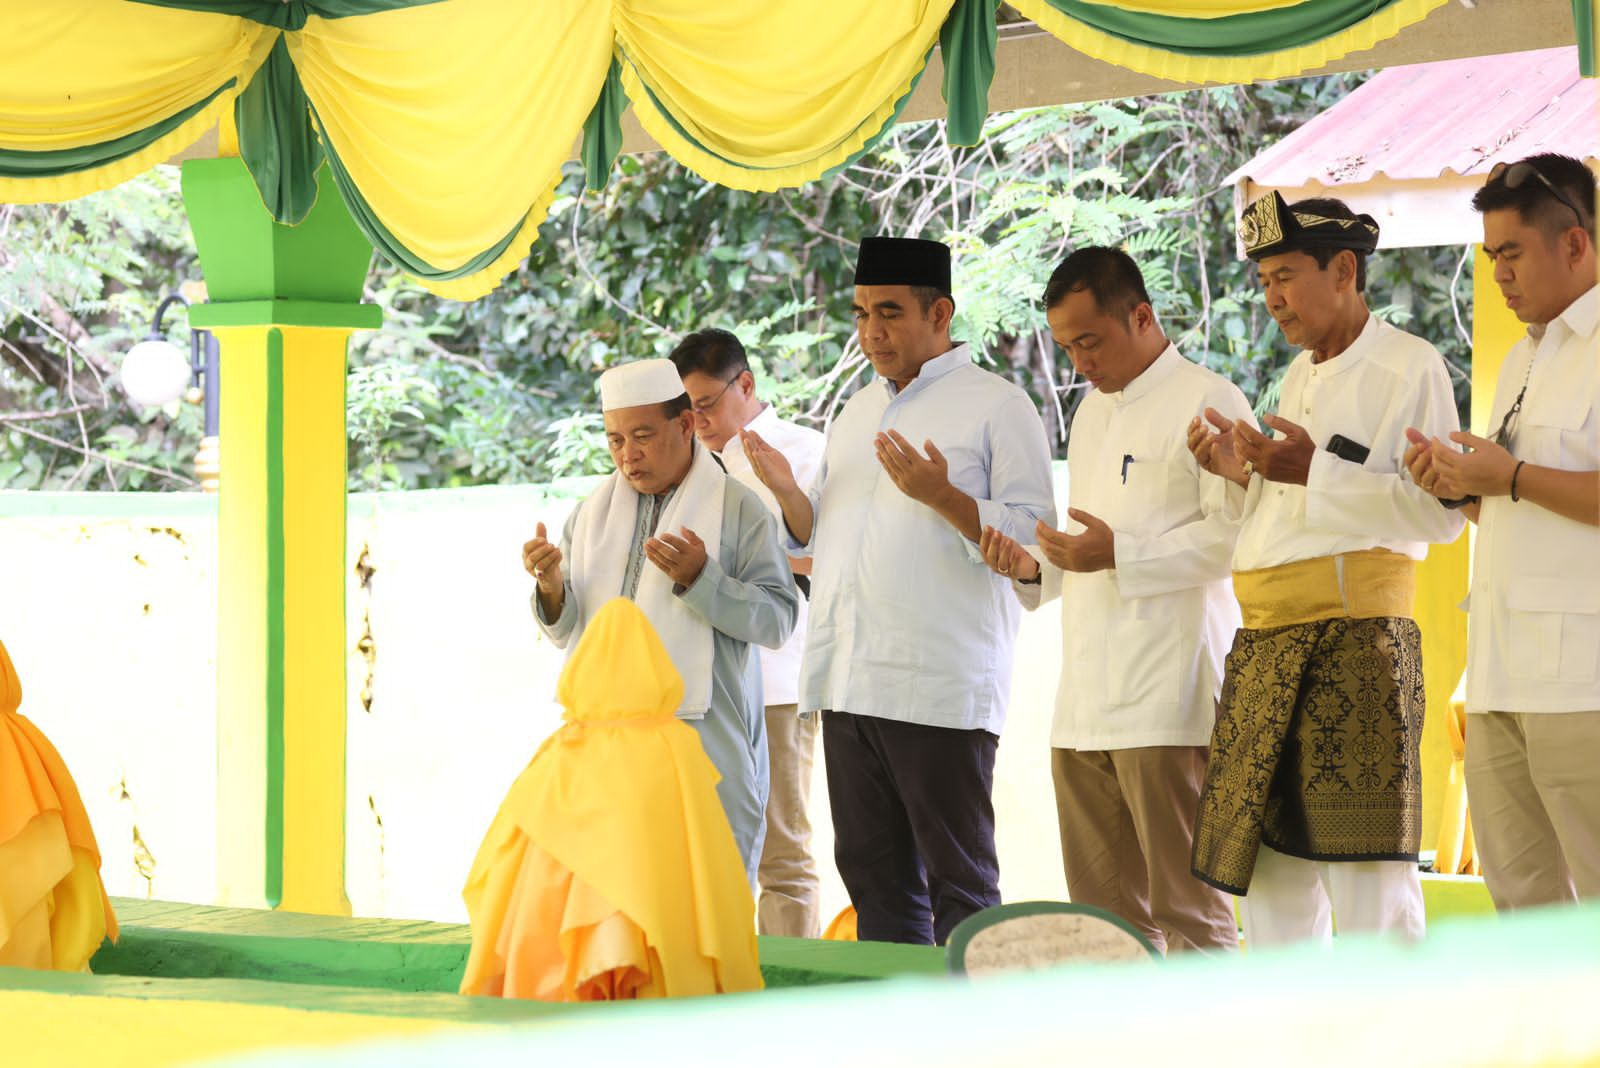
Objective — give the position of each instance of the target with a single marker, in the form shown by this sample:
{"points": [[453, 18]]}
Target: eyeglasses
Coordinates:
{"points": [[1515, 175], [705, 409]]}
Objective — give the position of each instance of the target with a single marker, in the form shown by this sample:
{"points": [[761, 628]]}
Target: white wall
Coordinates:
{"points": [[462, 689]]}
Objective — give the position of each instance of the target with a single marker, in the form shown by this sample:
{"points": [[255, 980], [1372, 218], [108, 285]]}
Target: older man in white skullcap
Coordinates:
{"points": [[700, 554]]}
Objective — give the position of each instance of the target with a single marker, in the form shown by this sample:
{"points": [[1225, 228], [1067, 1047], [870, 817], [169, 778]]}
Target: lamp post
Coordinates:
{"points": [[156, 373]]}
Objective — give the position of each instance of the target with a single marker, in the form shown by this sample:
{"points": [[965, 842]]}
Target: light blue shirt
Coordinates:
{"points": [[907, 622]]}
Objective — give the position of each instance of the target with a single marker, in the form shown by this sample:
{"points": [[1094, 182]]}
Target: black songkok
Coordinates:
{"points": [[903, 261]]}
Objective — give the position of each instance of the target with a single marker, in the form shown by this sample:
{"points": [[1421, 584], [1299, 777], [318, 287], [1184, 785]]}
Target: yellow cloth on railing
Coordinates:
{"points": [[610, 870], [54, 912], [1370, 584]]}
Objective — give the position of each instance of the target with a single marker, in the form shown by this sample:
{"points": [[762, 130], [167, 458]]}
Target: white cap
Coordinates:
{"points": [[640, 382]]}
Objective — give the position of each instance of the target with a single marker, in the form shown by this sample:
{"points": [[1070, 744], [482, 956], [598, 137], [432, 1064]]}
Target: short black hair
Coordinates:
{"points": [[1534, 203], [712, 352], [1332, 208], [1108, 273], [676, 406], [928, 296]]}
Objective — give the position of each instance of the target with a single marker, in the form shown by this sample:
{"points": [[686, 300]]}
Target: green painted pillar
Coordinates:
{"points": [[283, 302]]}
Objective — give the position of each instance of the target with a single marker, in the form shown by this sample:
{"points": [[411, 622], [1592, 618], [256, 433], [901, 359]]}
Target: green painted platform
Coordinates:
{"points": [[169, 941]]}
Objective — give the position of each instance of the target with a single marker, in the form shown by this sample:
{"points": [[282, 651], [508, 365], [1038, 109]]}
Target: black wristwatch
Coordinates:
{"points": [[1460, 501]]}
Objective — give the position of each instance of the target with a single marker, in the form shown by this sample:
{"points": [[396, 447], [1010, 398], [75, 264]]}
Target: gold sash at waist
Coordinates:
{"points": [[1370, 584]]}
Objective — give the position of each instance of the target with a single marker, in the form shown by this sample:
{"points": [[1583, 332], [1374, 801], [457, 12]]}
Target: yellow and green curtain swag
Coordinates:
{"points": [[1223, 40], [93, 92], [446, 122]]}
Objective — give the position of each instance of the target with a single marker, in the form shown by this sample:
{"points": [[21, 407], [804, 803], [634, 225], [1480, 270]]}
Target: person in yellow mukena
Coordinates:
{"points": [[54, 912], [610, 871]]}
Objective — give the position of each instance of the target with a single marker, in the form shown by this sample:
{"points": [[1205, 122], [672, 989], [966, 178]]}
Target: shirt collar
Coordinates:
{"points": [[765, 421], [937, 367], [1581, 317], [1151, 377], [1358, 350]]}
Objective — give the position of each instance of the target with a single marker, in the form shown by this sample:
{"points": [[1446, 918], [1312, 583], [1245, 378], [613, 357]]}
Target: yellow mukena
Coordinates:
{"points": [[610, 870], [53, 909]]}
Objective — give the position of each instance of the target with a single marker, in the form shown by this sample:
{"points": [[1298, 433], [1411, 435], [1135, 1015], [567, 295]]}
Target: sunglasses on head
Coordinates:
{"points": [[1516, 175]]}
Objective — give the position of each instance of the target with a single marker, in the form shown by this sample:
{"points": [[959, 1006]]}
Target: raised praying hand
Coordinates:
{"points": [[682, 557]]}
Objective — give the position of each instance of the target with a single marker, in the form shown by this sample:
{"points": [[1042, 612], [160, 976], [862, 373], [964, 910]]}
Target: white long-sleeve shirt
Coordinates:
{"points": [[802, 446], [1384, 382], [907, 622], [1143, 643], [1533, 628]]}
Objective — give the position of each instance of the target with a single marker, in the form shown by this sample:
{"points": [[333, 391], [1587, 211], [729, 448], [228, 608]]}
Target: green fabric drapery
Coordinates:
{"points": [[750, 94], [277, 141], [1584, 22]]}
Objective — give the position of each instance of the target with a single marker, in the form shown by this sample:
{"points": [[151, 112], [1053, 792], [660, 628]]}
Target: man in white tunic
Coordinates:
{"points": [[1146, 608], [698, 552], [1313, 794], [1533, 488], [909, 650], [722, 394]]}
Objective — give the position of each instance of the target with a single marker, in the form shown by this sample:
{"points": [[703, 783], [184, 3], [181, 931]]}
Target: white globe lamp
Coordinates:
{"points": [[155, 373]]}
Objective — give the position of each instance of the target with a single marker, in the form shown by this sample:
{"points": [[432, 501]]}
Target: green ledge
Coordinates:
{"points": [[312, 313], [169, 941]]}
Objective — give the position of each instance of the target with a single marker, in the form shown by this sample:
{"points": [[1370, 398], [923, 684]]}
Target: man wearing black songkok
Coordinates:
{"points": [[909, 646], [1312, 799]]}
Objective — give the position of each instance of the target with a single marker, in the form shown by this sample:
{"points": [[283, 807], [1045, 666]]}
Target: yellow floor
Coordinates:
{"points": [[52, 1030]]}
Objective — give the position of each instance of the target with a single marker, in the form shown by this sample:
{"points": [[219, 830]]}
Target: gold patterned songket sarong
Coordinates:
{"points": [[1316, 751]]}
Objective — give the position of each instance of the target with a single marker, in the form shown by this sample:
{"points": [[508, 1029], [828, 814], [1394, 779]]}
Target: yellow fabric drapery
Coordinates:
{"points": [[454, 119], [610, 869], [54, 912], [77, 73], [1197, 9], [1198, 69], [761, 96]]}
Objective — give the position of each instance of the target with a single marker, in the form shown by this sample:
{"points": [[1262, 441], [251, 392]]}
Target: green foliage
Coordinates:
{"points": [[502, 389]]}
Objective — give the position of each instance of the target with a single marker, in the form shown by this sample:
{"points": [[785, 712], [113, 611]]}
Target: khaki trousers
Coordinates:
{"points": [[1127, 831], [1533, 785], [787, 876]]}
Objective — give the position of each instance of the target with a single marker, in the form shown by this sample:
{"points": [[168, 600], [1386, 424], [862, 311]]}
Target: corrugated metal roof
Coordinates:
{"points": [[1460, 116]]}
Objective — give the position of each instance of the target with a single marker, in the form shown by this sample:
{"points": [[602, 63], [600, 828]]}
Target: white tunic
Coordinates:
{"points": [[1143, 644], [1533, 629], [802, 446], [1384, 382], [907, 622]]}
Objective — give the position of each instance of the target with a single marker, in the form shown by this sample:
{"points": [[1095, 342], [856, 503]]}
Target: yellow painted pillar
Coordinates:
{"points": [[283, 304]]}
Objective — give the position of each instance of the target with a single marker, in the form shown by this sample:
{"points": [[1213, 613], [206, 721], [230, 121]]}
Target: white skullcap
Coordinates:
{"points": [[640, 382]]}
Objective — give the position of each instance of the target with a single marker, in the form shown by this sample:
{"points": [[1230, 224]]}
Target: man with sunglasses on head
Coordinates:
{"points": [[1313, 793], [1533, 488], [722, 396]]}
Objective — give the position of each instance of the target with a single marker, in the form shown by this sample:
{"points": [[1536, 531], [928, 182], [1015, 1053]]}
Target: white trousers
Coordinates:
{"points": [[1293, 900]]}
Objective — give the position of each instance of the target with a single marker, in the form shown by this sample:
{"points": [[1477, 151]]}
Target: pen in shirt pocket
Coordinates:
{"points": [[1126, 460]]}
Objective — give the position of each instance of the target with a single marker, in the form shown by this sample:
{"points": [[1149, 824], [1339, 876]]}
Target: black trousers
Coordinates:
{"points": [[913, 824]]}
